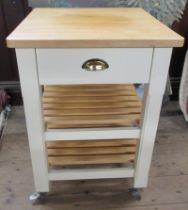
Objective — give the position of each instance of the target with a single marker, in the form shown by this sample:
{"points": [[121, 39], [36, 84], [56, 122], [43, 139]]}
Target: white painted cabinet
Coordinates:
{"points": [[78, 68]]}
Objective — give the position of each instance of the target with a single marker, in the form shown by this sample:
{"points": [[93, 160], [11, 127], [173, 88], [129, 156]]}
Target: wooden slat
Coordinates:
{"points": [[90, 99], [92, 121], [57, 94], [59, 91], [92, 111], [87, 90], [92, 143], [99, 104], [90, 159], [91, 151], [90, 87]]}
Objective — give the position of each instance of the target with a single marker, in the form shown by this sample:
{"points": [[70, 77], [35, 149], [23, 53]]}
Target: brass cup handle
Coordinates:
{"points": [[95, 65]]}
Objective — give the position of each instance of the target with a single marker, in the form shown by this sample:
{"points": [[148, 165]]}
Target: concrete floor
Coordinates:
{"points": [[168, 182]]}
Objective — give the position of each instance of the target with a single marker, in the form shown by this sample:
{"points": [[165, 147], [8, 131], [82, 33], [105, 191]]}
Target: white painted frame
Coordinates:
{"points": [[153, 101], [91, 134], [91, 173], [31, 93]]}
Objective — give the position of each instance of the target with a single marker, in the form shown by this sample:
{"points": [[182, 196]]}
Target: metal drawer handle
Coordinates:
{"points": [[95, 65]]}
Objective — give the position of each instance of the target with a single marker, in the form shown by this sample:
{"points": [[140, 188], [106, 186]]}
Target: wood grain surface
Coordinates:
{"points": [[92, 28], [90, 159], [84, 152], [93, 106]]}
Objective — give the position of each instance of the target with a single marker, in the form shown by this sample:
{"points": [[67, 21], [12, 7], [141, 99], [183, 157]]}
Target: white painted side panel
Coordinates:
{"points": [[91, 134], [33, 111], [64, 66], [98, 173], [160, 65]]}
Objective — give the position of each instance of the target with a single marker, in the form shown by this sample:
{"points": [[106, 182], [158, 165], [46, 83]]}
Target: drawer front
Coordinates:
{"points": [[65, 66]]}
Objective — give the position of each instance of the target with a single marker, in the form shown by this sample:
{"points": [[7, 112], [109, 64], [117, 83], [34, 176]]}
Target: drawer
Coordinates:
{"points": [[65, 66]]}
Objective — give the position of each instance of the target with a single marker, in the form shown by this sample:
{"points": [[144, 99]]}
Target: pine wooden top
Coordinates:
{"points": [[92, 27]]}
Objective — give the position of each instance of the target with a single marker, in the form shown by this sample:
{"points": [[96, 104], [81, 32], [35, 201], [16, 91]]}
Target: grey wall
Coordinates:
{"points": [[38, 3], [72, 3]]}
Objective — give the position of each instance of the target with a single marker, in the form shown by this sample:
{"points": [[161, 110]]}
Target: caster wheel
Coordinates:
{"points": [[36, 198], [135, 193]]}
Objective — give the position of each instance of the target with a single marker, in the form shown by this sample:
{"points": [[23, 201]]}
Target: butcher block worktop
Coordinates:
{"points": [[92, 28]]}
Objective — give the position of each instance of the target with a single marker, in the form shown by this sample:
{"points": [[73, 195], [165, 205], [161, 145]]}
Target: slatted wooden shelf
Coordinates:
{"points": [[63, 153], [84, 106]]}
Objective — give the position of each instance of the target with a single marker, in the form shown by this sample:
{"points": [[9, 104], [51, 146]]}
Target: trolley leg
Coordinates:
{"points": [[32, 96], [154, 95]]}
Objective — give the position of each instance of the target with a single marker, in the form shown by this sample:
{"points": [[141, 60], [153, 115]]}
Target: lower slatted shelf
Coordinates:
{"points": [[63, 153], [91, 106]]}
